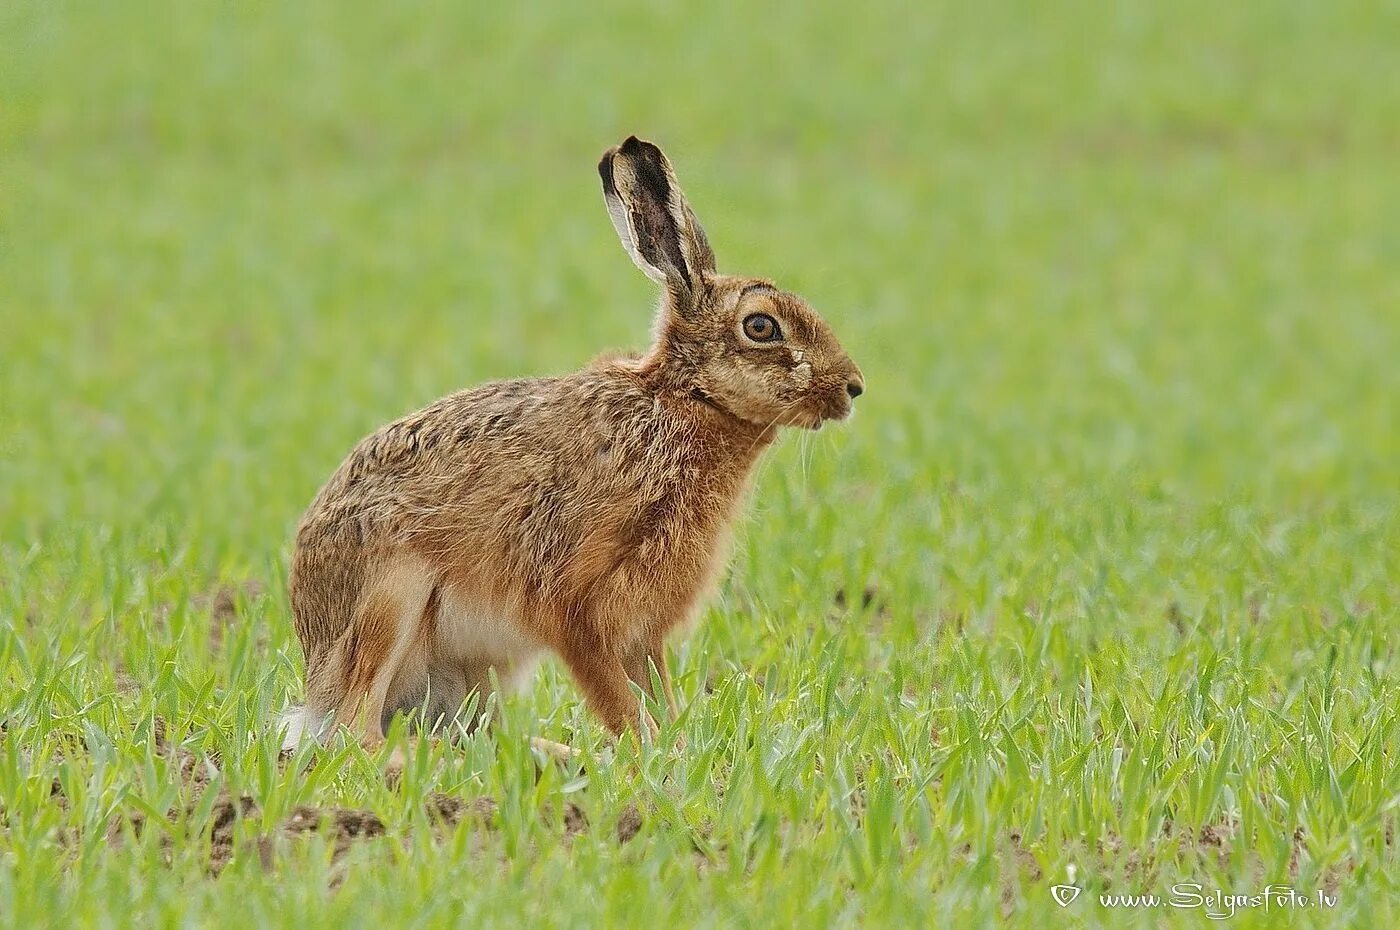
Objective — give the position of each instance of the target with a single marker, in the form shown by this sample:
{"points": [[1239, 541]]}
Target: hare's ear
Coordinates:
{"points": [[653, 219]]}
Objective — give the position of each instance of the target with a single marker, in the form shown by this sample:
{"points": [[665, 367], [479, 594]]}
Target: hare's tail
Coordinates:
{"points": [[298, 724]]}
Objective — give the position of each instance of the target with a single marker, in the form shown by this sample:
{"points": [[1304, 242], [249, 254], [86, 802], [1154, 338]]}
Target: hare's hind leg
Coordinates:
{"points": [[393, 618], [451, 682]]}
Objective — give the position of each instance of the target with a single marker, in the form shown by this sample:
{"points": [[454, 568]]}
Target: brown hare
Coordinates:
{"points": [[585, 515]]}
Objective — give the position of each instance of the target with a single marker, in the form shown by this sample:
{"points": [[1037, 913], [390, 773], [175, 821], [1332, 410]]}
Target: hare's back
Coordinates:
{"points": [[399, 465], [491, 447]]}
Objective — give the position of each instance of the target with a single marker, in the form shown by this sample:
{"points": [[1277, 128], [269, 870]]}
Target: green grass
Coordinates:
{"points": [[1123, 282]]}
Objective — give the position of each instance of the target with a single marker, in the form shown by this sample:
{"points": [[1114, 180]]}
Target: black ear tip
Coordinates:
{"points": [[641, 148]]}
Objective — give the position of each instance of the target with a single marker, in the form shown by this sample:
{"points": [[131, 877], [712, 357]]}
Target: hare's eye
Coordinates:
{"points": [[760, 327]]}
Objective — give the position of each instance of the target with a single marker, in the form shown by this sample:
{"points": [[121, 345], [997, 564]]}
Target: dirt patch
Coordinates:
{"points": [[344, 828], [1176, 619], [196, 769], [629, 824], [221, 832], [1021, 863], [868, 603], [222, 606], [575, 820], [448, 810], [868, 599]]}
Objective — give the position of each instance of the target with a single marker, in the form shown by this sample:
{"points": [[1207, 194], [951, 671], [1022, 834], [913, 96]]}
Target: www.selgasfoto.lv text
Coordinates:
{"points": [[1220, 904]]}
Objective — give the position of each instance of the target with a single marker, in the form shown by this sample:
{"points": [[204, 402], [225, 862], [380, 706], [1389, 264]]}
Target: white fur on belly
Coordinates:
{"points": [[477, 633]]}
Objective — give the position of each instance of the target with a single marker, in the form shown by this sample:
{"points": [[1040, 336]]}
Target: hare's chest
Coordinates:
{"points": [[675, 553], [663, 507]]}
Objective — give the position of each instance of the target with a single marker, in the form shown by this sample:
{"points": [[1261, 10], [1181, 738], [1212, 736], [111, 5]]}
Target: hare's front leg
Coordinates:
{"points": [[605, 675], [638, 663], [603, 680]]}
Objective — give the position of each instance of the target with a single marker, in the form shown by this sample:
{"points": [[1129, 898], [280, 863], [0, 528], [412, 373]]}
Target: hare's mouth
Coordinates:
{"points": [[815, 421], [834, 408]]}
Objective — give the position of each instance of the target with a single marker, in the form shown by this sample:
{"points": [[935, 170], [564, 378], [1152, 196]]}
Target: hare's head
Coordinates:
{"points": [[741, 344]]}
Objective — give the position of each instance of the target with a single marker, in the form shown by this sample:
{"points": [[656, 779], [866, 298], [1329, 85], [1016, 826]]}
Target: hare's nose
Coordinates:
{"points": [[855, 387]]}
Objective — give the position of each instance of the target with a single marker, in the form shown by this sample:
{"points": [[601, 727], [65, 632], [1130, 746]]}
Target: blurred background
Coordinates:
{"points": [[1093, 260], [1104, 574]]}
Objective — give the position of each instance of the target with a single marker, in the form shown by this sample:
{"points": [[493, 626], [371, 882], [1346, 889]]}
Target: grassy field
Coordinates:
{"points": [[1100, 587]]}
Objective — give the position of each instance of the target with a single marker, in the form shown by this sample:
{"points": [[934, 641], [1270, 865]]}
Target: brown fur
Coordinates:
{"points": [[585, 515]]}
